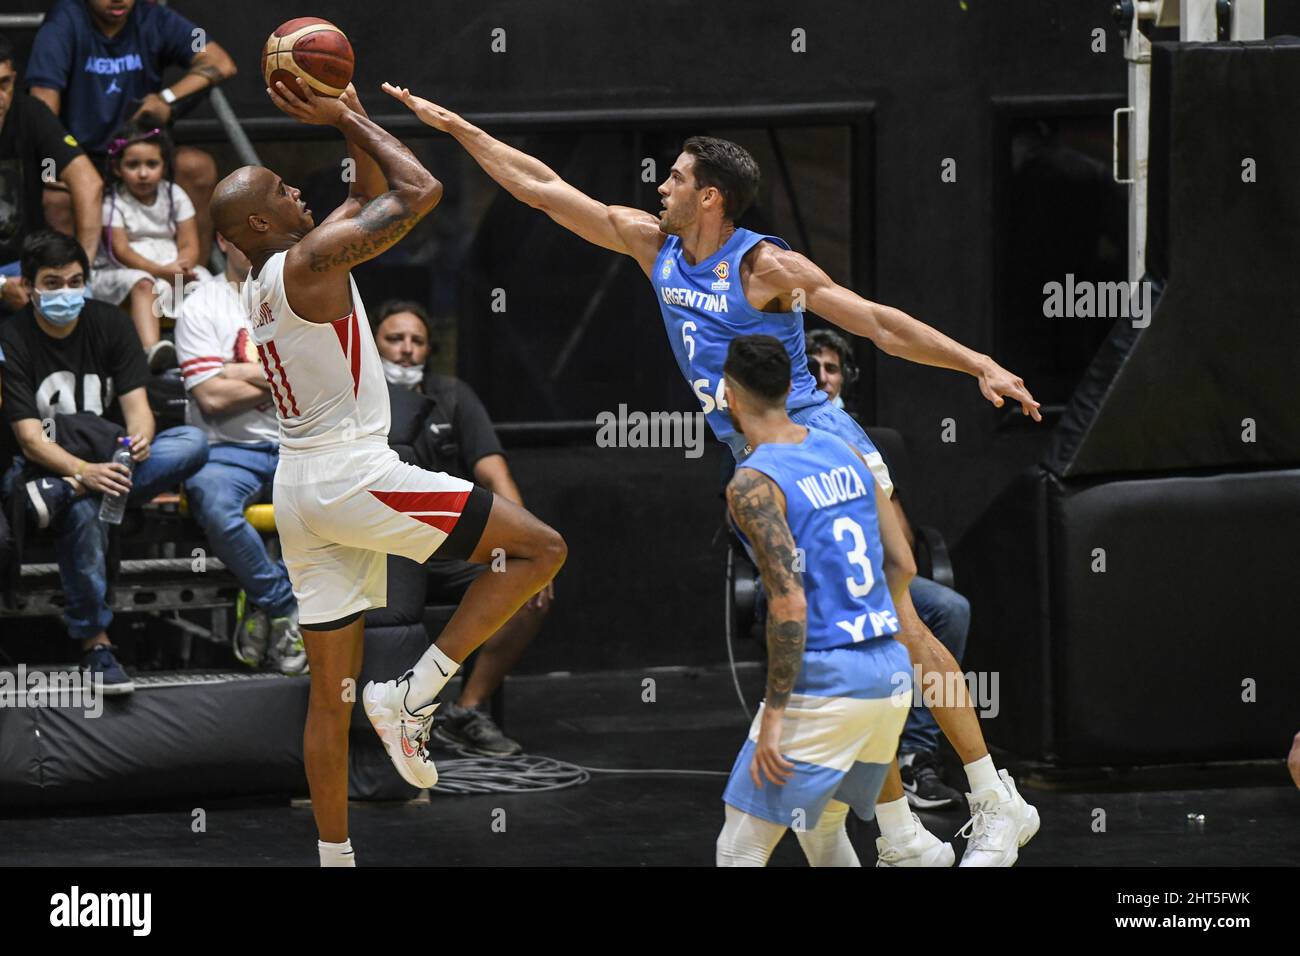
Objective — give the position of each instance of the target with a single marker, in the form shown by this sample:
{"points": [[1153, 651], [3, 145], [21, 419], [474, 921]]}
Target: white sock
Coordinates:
{"points": [[895, 820], [336, 854], [429, 677], [982, 775]]}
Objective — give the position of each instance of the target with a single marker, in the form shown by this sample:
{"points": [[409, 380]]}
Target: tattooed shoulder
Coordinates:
{"points": [[752, 497]]}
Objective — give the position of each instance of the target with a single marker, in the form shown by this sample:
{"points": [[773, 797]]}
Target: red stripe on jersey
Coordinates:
{"points": [[346, 329], [270, 380], [200, 358], [198, 369], [420, 504], [293, 402], [356, 355]]}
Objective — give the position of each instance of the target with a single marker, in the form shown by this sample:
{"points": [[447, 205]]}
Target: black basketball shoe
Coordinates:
{"points": [[923, 783]]}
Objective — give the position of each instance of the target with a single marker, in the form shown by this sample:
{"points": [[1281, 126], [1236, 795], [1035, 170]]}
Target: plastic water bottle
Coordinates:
{"points": [[113, 507]]}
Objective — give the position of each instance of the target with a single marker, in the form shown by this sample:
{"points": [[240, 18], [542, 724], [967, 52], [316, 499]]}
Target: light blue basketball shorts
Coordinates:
{"points": [[840, 730]]}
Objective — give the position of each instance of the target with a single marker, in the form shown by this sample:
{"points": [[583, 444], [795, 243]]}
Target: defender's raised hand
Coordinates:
{"points": [[430, 114]]}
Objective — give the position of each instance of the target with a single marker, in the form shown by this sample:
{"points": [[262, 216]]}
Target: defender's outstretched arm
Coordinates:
{"points": [[633, 232], [782, 275]]}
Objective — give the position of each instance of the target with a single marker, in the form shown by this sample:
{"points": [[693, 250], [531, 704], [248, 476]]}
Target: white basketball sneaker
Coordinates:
{"points": [[924, 849], [998, 826], [405, 733]]}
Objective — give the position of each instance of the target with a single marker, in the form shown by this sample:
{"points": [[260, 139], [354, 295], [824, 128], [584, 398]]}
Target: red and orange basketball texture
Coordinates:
{"points": [[313, 49]]}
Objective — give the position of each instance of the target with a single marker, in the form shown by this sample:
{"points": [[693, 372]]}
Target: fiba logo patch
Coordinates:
{"points": [[667, 270], [722, 270], [264, 316]]}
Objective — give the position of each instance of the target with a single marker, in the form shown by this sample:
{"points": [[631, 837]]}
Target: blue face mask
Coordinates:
{"points": [[62, 307]]}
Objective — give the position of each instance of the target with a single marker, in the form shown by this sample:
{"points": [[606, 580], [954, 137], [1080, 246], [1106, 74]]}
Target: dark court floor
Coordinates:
{"points": [[694, 723]]}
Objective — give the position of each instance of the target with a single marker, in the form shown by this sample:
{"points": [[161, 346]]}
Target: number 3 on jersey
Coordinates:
{"points": [[857, 554]]}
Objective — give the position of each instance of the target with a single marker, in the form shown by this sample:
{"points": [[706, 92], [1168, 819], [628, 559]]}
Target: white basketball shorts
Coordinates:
{"points": [[341, 511]]}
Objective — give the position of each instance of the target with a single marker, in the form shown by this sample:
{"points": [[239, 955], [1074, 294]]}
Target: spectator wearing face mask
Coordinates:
{"points": [[67, 362], [456, 436]]}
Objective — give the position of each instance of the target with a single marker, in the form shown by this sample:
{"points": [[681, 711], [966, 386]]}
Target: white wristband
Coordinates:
{"points": [[168, 96]]}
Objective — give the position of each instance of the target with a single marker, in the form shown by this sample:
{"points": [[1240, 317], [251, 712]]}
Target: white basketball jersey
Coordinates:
{"points": [[326, 378]]}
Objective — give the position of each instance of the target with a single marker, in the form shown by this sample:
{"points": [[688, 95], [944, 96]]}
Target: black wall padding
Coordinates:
{"points": [[645, 531], [1144, 662], [1223, 344], [241, 736]]}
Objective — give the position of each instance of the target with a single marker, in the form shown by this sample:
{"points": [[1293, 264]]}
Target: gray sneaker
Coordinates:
{"points": [[473, 731], [288, 651], [252, 632]]}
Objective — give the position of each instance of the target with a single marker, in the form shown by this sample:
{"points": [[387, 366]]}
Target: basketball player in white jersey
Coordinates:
{"points": [[343, 499]]}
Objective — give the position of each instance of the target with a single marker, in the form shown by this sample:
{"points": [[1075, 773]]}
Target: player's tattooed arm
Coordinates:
{"points": [[402, 171], [758, 508], [380, 224]]}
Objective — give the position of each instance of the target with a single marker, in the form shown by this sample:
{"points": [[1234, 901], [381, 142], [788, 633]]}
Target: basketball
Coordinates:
{"points": [[312, 48]]}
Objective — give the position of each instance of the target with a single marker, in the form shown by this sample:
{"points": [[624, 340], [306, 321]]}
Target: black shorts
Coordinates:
{"points": [[449, 580]]}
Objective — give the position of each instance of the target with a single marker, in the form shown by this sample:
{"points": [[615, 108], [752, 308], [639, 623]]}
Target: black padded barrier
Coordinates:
{"points": [[1222, 352], [1154, 659]]}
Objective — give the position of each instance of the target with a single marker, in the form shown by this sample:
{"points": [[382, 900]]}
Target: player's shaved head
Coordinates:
{"points": [[240, 195]]}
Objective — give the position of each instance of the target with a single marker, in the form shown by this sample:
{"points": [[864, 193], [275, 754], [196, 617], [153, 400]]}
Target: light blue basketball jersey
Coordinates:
{"points": [[704, 308], [830, 502]]}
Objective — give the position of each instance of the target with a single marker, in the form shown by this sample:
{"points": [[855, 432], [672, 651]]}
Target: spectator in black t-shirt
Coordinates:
{"points": [[456, 436], [35, 149], [70, 357]]}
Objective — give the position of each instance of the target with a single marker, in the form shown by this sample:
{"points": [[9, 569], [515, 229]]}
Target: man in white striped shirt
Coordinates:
{"points": [[230, 399]]}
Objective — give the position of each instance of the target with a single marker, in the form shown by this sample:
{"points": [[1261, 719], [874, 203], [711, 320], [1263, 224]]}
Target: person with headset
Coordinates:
{"points": [[945, 612]]}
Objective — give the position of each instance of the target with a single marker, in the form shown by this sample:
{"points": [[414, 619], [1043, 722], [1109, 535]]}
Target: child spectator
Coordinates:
{"points": [[151, 236]]}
